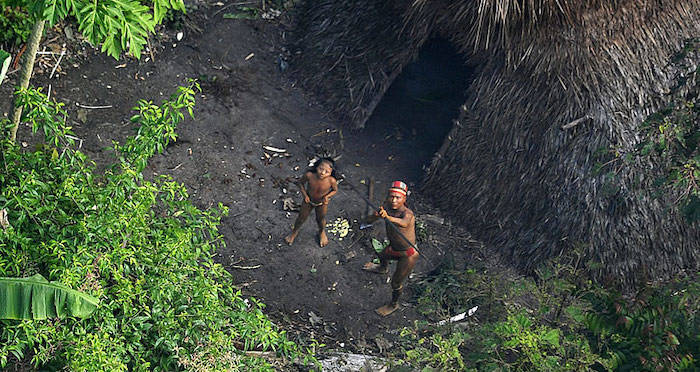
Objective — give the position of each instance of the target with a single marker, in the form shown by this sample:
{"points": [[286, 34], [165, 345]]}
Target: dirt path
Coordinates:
{"points": [[247, 103]]}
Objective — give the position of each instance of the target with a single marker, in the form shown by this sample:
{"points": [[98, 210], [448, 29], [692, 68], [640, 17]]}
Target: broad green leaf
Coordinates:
{"points": [[52, 11], [552, 337], [576, 313], [86, 22], [36, 298], [5, 59], [379, 246], [159, 10], [178, 5]]}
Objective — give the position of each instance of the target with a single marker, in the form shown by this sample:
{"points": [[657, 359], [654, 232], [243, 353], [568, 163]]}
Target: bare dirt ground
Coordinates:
{"points": [[246, 103]]}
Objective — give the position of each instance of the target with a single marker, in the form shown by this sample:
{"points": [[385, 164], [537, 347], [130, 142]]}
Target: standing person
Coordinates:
{"points": [[399, 220], [317, 185]]}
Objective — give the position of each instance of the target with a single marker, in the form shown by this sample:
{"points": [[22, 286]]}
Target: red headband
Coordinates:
{"points": [[398, 187]]}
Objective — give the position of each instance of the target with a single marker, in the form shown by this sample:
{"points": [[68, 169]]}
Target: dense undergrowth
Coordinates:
{"points": [[557, 320], [138, 245], [15, 23]]}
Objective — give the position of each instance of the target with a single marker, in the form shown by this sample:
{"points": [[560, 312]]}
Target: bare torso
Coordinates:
{"points": [[318, 188], [397, 242]]}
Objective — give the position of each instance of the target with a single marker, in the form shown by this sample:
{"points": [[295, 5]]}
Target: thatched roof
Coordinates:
{"points": [[352, 51], [601, 66]]}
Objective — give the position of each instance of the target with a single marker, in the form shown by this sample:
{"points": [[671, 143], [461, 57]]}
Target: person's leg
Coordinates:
{"points": [[403, 270], [303, 215], [321, 221], [383, 266]]}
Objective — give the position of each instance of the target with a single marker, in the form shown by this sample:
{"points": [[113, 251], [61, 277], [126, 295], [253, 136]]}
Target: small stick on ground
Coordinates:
{"points": [[150, 49], [370, 192], [93, 107], [63, 52], [246, 284]]}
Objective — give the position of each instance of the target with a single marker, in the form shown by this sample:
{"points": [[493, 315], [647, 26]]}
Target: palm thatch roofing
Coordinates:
{"points": [[558, 84]]}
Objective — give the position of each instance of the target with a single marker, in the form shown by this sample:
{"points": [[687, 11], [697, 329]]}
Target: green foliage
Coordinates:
{"points": [[243, 12], [437, 351], [36, 298], [118, 25], [139, 246], [15, 23], [669, 146], [523, 343], [556, 321], [379, 246], [658, 330], [671, 137], [452, 292], [50, 118], [94, 352]]}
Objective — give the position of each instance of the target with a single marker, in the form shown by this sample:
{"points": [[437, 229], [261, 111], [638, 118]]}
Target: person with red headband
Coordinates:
{"points": [[400, 223]]}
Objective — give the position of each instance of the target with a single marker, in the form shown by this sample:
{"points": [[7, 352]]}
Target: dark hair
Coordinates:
{"points": [[314, 166]]}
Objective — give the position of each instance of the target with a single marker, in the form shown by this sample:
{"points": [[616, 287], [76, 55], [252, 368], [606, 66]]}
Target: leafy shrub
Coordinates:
{"points": [[557, 320], [139, 246], [672, 136], [15, 24], [657, 331], [522, 343], [438, 351], [451, 292]]}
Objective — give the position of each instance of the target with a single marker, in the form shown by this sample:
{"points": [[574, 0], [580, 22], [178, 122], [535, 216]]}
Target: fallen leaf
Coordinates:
{"points": [[82, 115], [288, 204], [314, 319]]}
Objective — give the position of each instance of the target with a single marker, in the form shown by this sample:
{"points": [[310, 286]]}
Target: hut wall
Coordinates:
{"points": [[508, 170]]}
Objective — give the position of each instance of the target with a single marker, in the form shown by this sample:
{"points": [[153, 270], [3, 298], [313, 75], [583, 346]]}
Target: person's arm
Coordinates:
{"points": [[334, 190], [403, 222], [302, 187], [372, 218]]}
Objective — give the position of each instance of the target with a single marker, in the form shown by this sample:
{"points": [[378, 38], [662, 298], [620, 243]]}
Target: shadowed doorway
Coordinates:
{"points": [[415, 115]]}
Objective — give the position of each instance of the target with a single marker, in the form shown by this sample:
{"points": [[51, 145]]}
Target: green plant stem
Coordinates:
{"points": [[27, 69]]}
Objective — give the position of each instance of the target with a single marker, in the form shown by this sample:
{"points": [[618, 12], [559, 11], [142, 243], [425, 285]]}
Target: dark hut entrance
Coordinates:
{"points": [[416, 113]]}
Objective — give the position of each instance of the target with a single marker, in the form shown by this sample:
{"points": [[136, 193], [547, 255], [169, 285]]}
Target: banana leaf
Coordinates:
{"points": [[36, 298], [4, 64]]}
